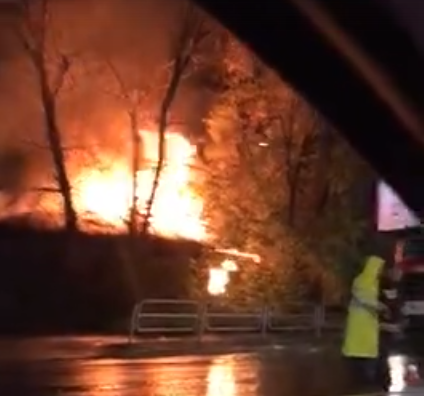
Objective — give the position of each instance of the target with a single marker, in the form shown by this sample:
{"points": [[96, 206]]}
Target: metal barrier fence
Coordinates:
{"points": [[166, 316]]}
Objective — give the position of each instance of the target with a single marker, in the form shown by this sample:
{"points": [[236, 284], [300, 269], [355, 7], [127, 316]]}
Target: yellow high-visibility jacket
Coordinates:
{"points": [[361, 337]]}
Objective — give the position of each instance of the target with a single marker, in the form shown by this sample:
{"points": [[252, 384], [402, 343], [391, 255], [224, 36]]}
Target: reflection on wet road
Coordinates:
{"points": [[266, 373]]}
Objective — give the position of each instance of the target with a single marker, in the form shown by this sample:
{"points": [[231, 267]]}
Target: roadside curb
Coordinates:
{"points": [[222, 345]]}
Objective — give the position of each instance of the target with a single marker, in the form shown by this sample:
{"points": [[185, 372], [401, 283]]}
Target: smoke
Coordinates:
{"points": [[136, 36]]}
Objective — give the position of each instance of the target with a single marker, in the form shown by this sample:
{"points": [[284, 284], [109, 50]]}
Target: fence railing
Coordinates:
{"points": [[166, 316]]}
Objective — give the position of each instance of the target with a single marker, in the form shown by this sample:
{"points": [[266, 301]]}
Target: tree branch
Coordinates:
{"points": [[123, 90], [63, 67]]}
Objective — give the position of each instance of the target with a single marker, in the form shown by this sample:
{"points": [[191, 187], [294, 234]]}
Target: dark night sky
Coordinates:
{"points": [[411, 14]]}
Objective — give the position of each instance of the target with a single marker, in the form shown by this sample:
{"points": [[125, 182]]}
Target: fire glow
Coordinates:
{"points": [[219, 278], [106, 195]]}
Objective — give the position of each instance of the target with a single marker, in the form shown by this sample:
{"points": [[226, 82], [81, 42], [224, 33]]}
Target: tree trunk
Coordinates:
{"points": [[293, 187], [135, 147], [187, 41], [177, 71], [320, 188], [55, 143]]}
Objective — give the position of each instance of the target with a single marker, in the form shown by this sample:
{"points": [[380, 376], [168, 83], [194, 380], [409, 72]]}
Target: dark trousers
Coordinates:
{"points": [[372, 374], [362, 371], [382, 369]]}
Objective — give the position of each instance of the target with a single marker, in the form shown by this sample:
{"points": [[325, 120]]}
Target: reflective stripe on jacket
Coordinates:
{"points": [[362, 326]]}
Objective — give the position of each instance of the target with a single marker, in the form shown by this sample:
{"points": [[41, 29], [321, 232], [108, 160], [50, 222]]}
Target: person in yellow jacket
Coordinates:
{"points": [[361, 338]]}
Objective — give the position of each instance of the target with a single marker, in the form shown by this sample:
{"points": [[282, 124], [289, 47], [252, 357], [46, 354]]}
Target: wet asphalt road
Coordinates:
{"points": [[44, 368]]}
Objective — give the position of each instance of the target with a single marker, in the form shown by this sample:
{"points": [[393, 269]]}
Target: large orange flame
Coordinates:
{"points": [[177, 209]]}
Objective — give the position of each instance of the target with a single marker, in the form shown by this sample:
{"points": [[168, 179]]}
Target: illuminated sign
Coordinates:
{"points": [[392, 213]]}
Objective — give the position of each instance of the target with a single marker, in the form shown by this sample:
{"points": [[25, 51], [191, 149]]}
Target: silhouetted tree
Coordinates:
{"points": [[51, 68], [191, 31], [134, 100]]}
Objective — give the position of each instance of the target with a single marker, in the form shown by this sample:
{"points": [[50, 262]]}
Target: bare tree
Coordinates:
{"points": [[298, 135], [287, 126], [51, 69], [191, 32], [133, 98]]}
